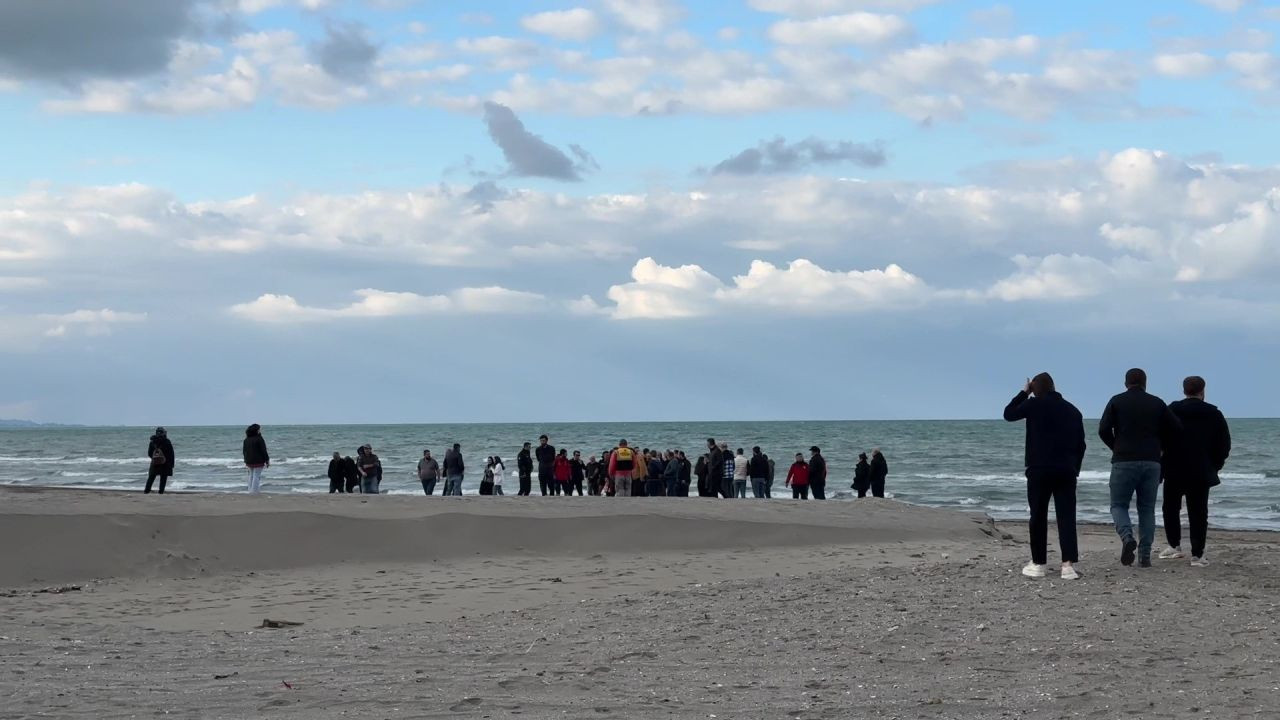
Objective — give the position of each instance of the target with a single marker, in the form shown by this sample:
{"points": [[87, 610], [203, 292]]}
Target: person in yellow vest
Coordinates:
{"points": [[623, 463]]}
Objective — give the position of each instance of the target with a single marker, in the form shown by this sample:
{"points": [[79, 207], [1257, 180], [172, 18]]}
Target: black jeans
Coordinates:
{"points": [[526, 481], [151, 477], [336, 486], [862, 492], [819, 490], [575, 484], [799, 492], [1197, 514], [353, 484], [877, 488], [1060, 485], [547, 481]]}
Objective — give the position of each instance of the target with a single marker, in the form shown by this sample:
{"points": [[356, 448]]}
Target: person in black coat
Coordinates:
{"points": [[879, 471], [817, 474], [1190, 468], [862, 475], [546, 456], [160, 451], [337, 476], [715, 470], [524, 468], [1054, 455], [350, 474], [701, 470]]}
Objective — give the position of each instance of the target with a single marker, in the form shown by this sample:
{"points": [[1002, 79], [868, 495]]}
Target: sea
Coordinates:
{"points": [[968, 465]]}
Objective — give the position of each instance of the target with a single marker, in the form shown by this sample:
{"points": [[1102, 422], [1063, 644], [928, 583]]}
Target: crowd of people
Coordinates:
{"points": [[1183, 445]]}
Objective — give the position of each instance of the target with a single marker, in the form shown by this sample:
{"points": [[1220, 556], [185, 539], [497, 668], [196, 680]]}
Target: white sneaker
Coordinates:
{"points": [[1199, 562], [1069, 573], [1171, 553], [1033, 570]]}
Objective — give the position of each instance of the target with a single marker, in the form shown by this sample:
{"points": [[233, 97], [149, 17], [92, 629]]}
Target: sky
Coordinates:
{"points": [[368, 211]]}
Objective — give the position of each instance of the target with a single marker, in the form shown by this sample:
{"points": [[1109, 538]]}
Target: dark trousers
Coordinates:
{"points": [[726, 487], [653, 487], [429, 486], [877, 488], [547, 482], [862, 492], [353, 484], [799, 492], [1060, 485], [526, 482], [819, 490], [151, 478], [702, 486], [336, 485], [1197, 514]]}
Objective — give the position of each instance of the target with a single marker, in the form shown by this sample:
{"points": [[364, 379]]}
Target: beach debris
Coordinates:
{"points": [[277, 624], [287, 685], [58, 590], [224, 677]]}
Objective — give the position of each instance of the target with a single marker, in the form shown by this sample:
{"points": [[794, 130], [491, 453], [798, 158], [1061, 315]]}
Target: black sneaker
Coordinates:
{"points": [[1126, 555]]}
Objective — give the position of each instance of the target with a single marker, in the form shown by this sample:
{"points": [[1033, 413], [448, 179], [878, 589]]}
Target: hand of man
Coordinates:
{"points": [[1027, 388]]}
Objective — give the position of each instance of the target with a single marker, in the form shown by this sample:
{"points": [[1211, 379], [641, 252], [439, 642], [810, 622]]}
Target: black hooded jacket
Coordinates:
{"points": [[161, 443], [1201, 449], [1055, 431], [1137, 426], [862, 476]]}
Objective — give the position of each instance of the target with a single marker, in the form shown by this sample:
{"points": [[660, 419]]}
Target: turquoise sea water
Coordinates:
{"points": [[972, 465]]}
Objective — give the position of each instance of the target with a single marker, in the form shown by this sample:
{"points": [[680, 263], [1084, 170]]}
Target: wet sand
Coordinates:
{"points": [[589, 607]]}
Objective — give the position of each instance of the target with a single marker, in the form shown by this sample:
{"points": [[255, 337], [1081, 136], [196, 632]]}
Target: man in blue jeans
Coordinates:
{"points": [[1137, 427]]}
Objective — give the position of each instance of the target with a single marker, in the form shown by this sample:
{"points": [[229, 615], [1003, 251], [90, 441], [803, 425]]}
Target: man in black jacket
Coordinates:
{"points": [[1054, 455], [337, 476], [758, 471], [524, 466], [351, 474], [160, 453], [715, 469], [1191, 467], [817, 474], [546, 455], [1138, 427], [879, 473]]}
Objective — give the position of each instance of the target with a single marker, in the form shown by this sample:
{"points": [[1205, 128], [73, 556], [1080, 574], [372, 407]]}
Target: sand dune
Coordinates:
{"points": [[79, 535]]}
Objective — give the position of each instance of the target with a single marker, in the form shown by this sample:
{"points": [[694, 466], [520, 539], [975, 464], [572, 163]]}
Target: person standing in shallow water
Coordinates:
{"points": [[546, 456], [879, 473], [524, 467], [798, 478], [160, 453], [336, 475], [862, 475], [817, 474], [428, 473], [1054, 455], [256, 458]]}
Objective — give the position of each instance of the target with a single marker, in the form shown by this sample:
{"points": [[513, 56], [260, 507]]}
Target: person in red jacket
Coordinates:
{"points": [[798, 478], [562, 471]]}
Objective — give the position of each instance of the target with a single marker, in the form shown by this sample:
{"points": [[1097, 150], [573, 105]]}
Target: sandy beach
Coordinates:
{"points": [[588, 607]]}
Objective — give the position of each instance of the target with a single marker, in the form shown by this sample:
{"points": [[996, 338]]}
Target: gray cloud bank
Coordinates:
{"points": [[69, 41], [778, 156], [346, 53]]}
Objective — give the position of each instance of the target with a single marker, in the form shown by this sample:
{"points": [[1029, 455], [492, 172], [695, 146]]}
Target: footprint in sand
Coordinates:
{"points": [[466, 704]]}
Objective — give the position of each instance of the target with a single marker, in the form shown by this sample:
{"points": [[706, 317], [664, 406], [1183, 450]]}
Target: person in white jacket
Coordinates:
{"points": [[498, 471]]}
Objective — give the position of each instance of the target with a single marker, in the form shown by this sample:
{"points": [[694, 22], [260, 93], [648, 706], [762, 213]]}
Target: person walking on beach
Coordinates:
{"points": [[337, 478], [1191, 466], [370, 468], [671, 475], [700, 469], [798, 478], [546, 455], [524, 467], [428, 473], [879, 472], [160, 453], [499, 471], [595, 477], [1054, 454], [622, 463], [1138, 427], [758, 471], [454, 470], [768, 479], [486, 480], [817, 474], [862, 475], [350, 474], [256, 457]]}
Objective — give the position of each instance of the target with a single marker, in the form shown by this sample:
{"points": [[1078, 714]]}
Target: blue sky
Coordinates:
{"points": [[396, 210]]}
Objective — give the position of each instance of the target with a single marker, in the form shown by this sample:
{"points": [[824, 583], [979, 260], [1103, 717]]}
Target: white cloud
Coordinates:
{"points": [[29, 332], [859, 28], [1057, 277], [1184, 65], [811, 8], [578, 24], [657, 291], [1227, 6], [1255, 70], [645, 15], [283, 309]]}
